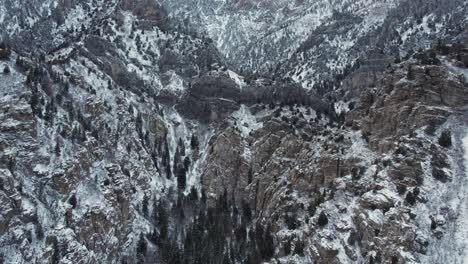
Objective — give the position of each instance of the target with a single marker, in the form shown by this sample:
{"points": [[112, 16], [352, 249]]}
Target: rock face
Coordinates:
{"points": [[412, 97], [126, 136]]}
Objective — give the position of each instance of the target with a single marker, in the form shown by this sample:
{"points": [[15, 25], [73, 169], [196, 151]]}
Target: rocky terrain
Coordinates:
{"points": [[137, 131]]}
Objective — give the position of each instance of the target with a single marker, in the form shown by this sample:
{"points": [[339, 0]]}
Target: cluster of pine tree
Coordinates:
{"points": [[194, 232]]}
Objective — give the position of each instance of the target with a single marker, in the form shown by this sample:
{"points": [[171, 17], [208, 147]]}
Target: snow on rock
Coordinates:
{"points": [[239, 80], [463, 214], [246, 122], [341, 107]]}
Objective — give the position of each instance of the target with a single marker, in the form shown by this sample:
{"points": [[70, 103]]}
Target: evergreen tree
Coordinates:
{"points": [[187, 163], [144, 206], [250, 176], [39, 231], [247, 212], [141, 249], [194, 142], [445, 139], [299, 248], [266, 244], [72, 201], [411, 198], [168, 171], [154, 236], [55, 259], [410, 73], [166, 159], [181, 178], [323, 219], [181, 147], [193, 194], [162, 223], [57, 148]]}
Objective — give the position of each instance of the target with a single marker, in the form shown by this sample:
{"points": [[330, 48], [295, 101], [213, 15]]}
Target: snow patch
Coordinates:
{"points": [[246, 121], [41, 169], [239, 80], [341, 107]]}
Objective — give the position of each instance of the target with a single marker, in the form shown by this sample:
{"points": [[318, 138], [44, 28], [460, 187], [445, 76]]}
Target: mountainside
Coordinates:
{"points": [[311, 41], [137, 131]]}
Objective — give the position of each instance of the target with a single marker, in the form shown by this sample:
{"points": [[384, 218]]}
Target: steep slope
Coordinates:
{"points": [[127, 137], [313, 41], [96, 144], [383, 185]]}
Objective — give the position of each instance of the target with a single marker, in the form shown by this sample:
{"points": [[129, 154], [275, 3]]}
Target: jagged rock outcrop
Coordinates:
{"points": [[411, 97]]}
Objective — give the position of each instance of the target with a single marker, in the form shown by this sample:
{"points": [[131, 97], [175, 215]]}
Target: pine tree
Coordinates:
{"points": [[141, 249], [168, 171], [250, 176], [323, 219], [194, 143], [287, 247], [247, 212], [193, 194], [55, 252], [39, 231], [411, 198], [162, 222], [72, 201], [445, 139], [410, 73], [181, 178], [144, 206], [34, 101], [187, 163], [266, 244], [299, 248], [181, 147], [57, 147], [166, 159], [154, 236]]}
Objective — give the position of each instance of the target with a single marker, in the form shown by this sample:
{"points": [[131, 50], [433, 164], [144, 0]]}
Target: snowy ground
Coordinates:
{"points": [[463, 218], [450, 200], [456, 70]]}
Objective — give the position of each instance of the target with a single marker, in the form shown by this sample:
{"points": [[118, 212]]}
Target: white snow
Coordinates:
{"points": [[237, 78], [41, 169], [2, 14], [246, 121], [176, 84], [456, 70], [463, 216], [341, 107]]}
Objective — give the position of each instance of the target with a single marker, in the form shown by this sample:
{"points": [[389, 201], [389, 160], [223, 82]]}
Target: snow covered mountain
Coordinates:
{"points": [[136, 131], [312, 41]]}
